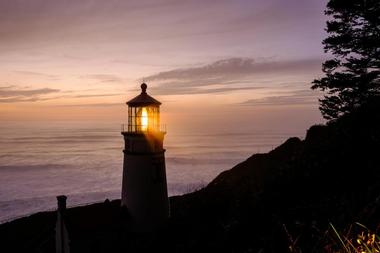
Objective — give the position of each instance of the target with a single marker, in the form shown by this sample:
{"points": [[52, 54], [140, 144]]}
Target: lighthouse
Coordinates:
{"points": [[144, 189]]}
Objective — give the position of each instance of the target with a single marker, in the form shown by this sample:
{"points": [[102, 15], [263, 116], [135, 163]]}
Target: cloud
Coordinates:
{"points": [[18, 99], [9, 91], [198, 90], [94, 105], [299, 97], [235, 67], [32, 73], [232, 74], [104, 78], [11, 94], [22, 19], [95, 95]]}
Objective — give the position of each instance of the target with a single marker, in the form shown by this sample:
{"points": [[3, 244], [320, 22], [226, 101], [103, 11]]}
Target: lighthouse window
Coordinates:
{"points": [[143, 118]]}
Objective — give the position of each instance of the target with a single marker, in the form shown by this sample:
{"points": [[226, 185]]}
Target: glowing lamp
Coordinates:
{"points": [[143, 113], [144, 119]]}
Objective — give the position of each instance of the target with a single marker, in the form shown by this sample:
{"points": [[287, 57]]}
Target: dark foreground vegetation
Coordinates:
{"points": [[282, 201]]}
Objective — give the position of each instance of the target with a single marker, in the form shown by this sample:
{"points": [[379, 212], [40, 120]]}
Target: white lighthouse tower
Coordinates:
{"points": [[144, 189]]}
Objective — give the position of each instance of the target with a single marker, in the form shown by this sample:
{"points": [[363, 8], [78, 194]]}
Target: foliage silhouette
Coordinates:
{"points": [[352, 75]]}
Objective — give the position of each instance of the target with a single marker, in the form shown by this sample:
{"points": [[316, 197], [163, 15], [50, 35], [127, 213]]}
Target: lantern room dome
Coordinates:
{"points": [[143, 99]]}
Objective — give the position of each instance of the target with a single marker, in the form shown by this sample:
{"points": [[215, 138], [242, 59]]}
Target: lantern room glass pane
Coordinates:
{"points": [[144, 118]]}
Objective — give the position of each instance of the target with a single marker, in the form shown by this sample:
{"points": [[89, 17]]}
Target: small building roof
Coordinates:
{"points": [[143, 99]]}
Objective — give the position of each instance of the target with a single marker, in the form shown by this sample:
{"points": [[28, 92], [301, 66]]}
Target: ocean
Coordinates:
{"points": [[84, 161]]}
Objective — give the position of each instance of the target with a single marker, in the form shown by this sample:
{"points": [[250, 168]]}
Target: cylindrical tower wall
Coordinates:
{"points": [[144, 187]]}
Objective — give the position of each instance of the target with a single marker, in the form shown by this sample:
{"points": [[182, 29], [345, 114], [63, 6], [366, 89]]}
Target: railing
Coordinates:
{"points": [[125, 128]]}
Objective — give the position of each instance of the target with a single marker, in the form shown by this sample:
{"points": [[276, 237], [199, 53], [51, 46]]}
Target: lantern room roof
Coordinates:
{"points": [[143, 99]]}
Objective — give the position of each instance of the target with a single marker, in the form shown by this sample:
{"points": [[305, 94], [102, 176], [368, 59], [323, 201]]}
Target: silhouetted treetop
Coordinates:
{"points": [[352, 75]]}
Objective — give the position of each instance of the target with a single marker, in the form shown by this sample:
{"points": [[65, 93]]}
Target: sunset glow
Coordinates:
{"points": [[205, 60], [189, 126], [226, 72]]}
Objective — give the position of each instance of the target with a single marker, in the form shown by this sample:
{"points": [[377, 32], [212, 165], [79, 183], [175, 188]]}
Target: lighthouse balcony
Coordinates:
{"points": [[140, 129]]}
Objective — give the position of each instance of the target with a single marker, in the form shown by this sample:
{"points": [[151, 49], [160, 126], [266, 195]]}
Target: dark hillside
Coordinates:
{"points": [[264, 204], [301, 186]]}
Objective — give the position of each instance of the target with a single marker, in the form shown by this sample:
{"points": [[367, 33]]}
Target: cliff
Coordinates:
{"points": [[271, 201]]}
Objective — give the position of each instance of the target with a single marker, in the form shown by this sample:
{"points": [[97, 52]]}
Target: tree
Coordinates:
{"points": [[352, 75]]}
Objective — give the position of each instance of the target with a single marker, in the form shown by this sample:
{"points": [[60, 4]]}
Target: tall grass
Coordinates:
{"points": [[358, 239]]}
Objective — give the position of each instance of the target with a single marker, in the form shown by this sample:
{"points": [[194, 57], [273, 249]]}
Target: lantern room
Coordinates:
{"points": [[143, 113]]}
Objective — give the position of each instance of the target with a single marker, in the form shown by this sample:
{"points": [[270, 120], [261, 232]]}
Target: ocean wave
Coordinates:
{"points": [[199, 161], [33, 167]]}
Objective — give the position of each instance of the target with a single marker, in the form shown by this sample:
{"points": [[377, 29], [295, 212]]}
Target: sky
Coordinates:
{"points": [[227, 64]]}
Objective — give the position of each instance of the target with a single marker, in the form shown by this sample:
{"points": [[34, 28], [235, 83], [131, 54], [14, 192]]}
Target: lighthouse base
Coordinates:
{"points": [[144, 190]]}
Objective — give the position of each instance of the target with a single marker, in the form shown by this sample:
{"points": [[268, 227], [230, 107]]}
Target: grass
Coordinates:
{"points": [[358, 239]]}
